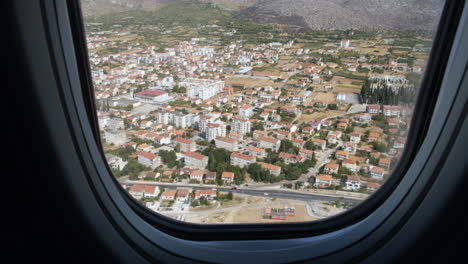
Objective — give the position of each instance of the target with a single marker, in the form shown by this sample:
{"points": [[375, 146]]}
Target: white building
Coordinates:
{"points": [[353, 183], [115, 162], [202, 88], [214, 130], [246, 111], [241, 126], [140, 190], [116, 137], [344, 43]]}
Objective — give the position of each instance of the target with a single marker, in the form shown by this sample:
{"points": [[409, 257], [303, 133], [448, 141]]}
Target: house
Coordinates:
{"points": [[273, 169], [208, 194], [182, 195], [306, 153], [373, 136], [355, 138], [297, 142], [341, 154], [373, 109], [168, 195], [377, 173], [350, 147], [195, 160], [341, 126], [350, 164], [139, 191], [115, 162], [227, 143], [331, 168], [162, 139], [196, 175], [384, 162], [210, 176], [399, 143], [149, 159], [290, 158], [242, 160], [352, 183], [391, 111], [308, 130], [227, 176], [323, 180], [373, 186], [319, 143]]}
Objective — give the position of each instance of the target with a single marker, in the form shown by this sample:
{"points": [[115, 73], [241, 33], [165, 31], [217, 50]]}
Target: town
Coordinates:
{"points": [[215, 117]]}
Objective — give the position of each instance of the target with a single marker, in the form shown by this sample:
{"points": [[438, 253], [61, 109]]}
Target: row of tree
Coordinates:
{"points": [[388, 96]]}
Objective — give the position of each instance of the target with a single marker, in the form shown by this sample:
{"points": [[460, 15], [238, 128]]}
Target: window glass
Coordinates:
{"points": [[249, 111]]}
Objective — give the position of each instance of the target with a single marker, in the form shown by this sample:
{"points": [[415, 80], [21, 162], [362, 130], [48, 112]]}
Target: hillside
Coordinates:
{"points": [[349, 14], [301, 14]]}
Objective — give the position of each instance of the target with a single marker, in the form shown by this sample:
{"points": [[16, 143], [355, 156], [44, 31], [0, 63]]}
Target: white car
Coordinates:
{"points": [[265, 193]]}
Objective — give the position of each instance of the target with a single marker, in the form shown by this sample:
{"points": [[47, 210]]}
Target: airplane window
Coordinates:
{"points": [[235, 112]]}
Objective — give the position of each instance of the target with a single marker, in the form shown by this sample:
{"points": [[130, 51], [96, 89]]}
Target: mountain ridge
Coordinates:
{"points": [[306, 14]]}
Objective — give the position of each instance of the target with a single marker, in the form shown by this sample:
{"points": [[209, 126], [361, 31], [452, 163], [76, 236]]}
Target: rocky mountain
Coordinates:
{"points": [[307, 14], [349, 14]]}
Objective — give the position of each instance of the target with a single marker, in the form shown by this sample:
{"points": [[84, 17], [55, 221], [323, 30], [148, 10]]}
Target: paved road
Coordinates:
{"points": [[283, 194]]}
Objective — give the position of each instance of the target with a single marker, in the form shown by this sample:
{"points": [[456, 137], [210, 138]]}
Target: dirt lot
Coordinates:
{"points": [[250, 82], [313, 116], [248, 210], [325, 97], [345, 85]]}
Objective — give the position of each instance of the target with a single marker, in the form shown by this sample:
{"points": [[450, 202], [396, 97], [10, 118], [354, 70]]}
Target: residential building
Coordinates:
{"points": [[269, 142], [341, 154], [139, 191], [149, 159], [209, 194], [168, 195], [355, 138], [210, 176], [290, 158], [182, 195], [185, 144], [226, 143], [306, 153], [350, 164], [323, 180], [240, 125], [257, 152], [331, 168], [246, 111], [196, 175], [319, 143], [214, 130], [377, 172], [195, 160], [273, 169], [202, 88], [352, 183], [242, 160], [227, 176]]}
